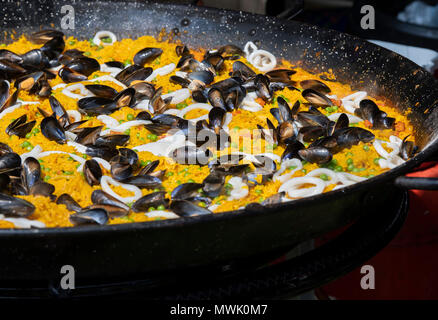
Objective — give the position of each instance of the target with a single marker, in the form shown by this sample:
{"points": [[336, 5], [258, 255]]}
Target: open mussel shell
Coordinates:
{"points": [[90, 216], [143, 181], [84, 65], [230, 49], [261, 83], [15, 207], [31, 172], [149, 168], [315, 85], [186, 208], [103, 152], [316, 98], [10, 56], [291, 150], [43, 36], [69, 202], [52, 130], [147, 55], [94, 106], [19, 127], [213, 184], [112, 140], [121, 170], [69, 75], [9, 162], [130, 155], [186, 190], [103, 91], [154, 199], [190, 155], [87, 135], [216, 98], [243, 71], [101, 197], [347, 137], [44, 189], [316, 155], [92, 172], [4, 181]]}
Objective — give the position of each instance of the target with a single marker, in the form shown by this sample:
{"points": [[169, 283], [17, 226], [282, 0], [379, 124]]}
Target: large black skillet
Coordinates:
{"points": [[165, 245]]}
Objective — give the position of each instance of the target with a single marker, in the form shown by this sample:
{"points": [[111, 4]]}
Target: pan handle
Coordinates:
{"points": [[417, 183]]}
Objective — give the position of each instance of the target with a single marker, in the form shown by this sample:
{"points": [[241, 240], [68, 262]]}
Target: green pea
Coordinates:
{"points": [[350, 167], [338, 169], [181, 105], [40, 160], [366, 148], [148, 161], [156, 190], [376, 161], [324, 177], [25, 144], [258, 191], [292, 167], [71, 42], [126, 62], [84, 156], [153, 137], [261, 199], [356, 170], [191, 180], [169, 174], [69, 173], [329, 109], [130, 117], [178, 182], [28, 135], [349, 161], [106, 40], [304, 171], [202, 204], [87, 53], [151, 209], [127, 132], [161, 207], [47, 178]]}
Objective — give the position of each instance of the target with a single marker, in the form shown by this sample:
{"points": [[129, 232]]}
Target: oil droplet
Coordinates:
{"points": [[185, 22]]}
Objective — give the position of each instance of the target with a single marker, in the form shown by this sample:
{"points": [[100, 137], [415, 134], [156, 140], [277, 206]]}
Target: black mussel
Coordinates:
{"points": [[216, 118], [20, 127], [274, 199], [115, 64], [341, 123], [69, 202], [157, 104], [190, 155], [315, 155], [52, 130], [147, 55], [44, 189], [231, 168], [234, 98], [53, 48], [408, 149], [182, 50], [57, 108], [312, 133], [180, 80], [280, 75], [101, 197], [137, 75], [213, 184], [103, 91], [130, 155], [35, 59], [347, 137], [243, 71], [199, 96], [316, 98], [112, 140], [154, 200], [4, 181], [291, 150], [90, 216], [69, 55], [11, 69], [329, 143], [227, 84], [103, 152], [83, 65], [113, 211], [43, 88], [92, 172], [143, 115], [4, 92], [185, 208], [216, 98], [68, 75], [41, 37], [230, 49], [284, 109], [258, 176], [186, 191], [73, 127], [125, 98], [216, 60], [94, 106], [16, 187], [4, 148], [121, 170], [11, 56], [143, 181], [206, 77], [28, 81], [15, 207], [88, 135], [270, 134], [9, 162], [149, 168], [315, 85], [312, 119], [30, 173], [143, 89], [286, 132], [122, 75], [261, 83], [368, 110]]}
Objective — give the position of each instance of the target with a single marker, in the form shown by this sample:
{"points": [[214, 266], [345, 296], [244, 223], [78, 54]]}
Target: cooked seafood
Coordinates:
{"points": [[107, 131]]}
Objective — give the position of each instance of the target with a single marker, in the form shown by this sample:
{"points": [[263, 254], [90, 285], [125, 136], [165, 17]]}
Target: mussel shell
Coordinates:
{"points": [[54, 47], [408, 149], [143, 115], [15, 207], [154, 199], [31, 172], [261, 83], [11, 56], [143, 89], [121, 171], [190, 155], [113, 211], [44, 189], [43, 36], [185, 208], [316, 98], [291, 150], [316, 155], [149, 168], [347, 137], [186, 190], [68, 75], [90, 216], [230, 49], [130, 155], [52, 130], [103, 152], [88, 135], [243, 71], [4, 181], [143, 181], [103, 91], [9, 162], [147, 55], [84, 65], [112, 140], [69, 202], [36, 59], [137, 75], [312, 133], [4, 148], [92, 172], [122, 75], [101, 197], [216, 98], [19, 127], [315, 85], [213, 184], [115, 64], [204, 76], [97, 106]]}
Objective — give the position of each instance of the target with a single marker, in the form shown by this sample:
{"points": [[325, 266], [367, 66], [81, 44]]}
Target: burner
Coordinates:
{"points": [[251, 278]]}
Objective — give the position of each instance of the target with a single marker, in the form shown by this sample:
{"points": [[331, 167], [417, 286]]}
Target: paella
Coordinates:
{"points": [[109, 131]]}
